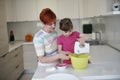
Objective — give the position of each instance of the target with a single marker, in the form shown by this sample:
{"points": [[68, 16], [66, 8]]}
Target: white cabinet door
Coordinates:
{"points": [[93, 8], [26, 10], [52, 4], [10, 10], [80, 8], [30, 57], [68, 8], [3, 29], [11, 64]]}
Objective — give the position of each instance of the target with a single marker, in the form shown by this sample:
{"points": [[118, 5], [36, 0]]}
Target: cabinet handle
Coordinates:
{"points": [[17, 66], [16, 48], [4, 55], [16, 55]]}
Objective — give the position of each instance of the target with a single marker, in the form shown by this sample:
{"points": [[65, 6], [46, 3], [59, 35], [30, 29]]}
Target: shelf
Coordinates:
{"points": [[112, 13]]}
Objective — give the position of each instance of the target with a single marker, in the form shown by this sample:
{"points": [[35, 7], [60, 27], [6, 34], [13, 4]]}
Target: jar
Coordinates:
{"points": [[28, 37]]}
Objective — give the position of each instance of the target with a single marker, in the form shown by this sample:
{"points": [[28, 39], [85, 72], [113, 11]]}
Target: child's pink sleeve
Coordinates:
{"points": [[59, 40]]}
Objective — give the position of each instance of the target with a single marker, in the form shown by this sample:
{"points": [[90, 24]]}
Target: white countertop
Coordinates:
{"points": [[15, 44], [104, 65]]}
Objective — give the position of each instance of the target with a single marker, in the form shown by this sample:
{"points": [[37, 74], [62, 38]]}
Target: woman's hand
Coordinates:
{"points": [[64, 55]]}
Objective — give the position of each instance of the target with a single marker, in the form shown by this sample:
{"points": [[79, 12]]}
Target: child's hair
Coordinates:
{"points": [[66, 24], [47, 16]]}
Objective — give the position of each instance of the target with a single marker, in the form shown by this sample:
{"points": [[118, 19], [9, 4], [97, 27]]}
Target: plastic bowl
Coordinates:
{"points": [[61, 66], [79, 61]]}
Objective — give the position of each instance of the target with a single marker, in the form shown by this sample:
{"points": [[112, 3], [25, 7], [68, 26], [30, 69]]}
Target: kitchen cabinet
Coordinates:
{"points": [[93, 8], [80, 8], [21, 10], [61, 8], [30, 58], [10, 10], [11, 64], [29, 10], [46, 4], [26, 10], [3, 30], [68, 8]]}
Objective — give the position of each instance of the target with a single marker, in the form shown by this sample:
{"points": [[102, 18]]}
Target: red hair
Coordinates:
{"points": [[47, 16]]}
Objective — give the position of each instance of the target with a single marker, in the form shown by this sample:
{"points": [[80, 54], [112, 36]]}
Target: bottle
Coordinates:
{"points": [[12, 36]]}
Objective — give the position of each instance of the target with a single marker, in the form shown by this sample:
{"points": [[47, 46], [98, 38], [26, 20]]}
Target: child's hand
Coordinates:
{"points": [[82, 41], [64, 56]]}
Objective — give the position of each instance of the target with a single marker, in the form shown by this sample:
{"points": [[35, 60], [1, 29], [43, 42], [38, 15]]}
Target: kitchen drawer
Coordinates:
{"points": [[10, 66], [9, 62], [3, 49], [16, 59], [10, 58], [16, 72]]}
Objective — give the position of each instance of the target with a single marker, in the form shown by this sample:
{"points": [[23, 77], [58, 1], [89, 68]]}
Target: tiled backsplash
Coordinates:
{"points": [[20, 29], [113, 30]]}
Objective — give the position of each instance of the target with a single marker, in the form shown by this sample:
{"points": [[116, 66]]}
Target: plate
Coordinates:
{"points": [[61, 76]]}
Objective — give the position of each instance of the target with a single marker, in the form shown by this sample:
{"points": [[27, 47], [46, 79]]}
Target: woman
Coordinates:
{"points": [[45, 40]]}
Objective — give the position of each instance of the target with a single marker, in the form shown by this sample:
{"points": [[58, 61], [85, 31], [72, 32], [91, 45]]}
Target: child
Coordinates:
{"points": [[68, 38]]}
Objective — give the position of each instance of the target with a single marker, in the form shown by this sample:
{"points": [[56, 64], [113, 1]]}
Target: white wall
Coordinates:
{"points": [[20, 29], [110, 24], [113, 30]]}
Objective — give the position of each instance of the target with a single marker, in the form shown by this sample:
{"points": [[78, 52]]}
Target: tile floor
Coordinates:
{"points": [[26, 76]]}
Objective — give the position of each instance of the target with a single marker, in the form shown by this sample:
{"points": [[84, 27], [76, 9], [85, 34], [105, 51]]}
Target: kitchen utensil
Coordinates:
{"points": [[79, 61], [81, 49]]}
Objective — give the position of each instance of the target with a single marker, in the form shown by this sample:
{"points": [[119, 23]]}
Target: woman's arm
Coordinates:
{"points": [[53, 58], [39, 47], [63, 52]]}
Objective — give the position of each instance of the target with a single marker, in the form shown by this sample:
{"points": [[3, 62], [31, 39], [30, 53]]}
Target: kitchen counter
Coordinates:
{"points": [[104, 66], [29, 56], [15, 44]]}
